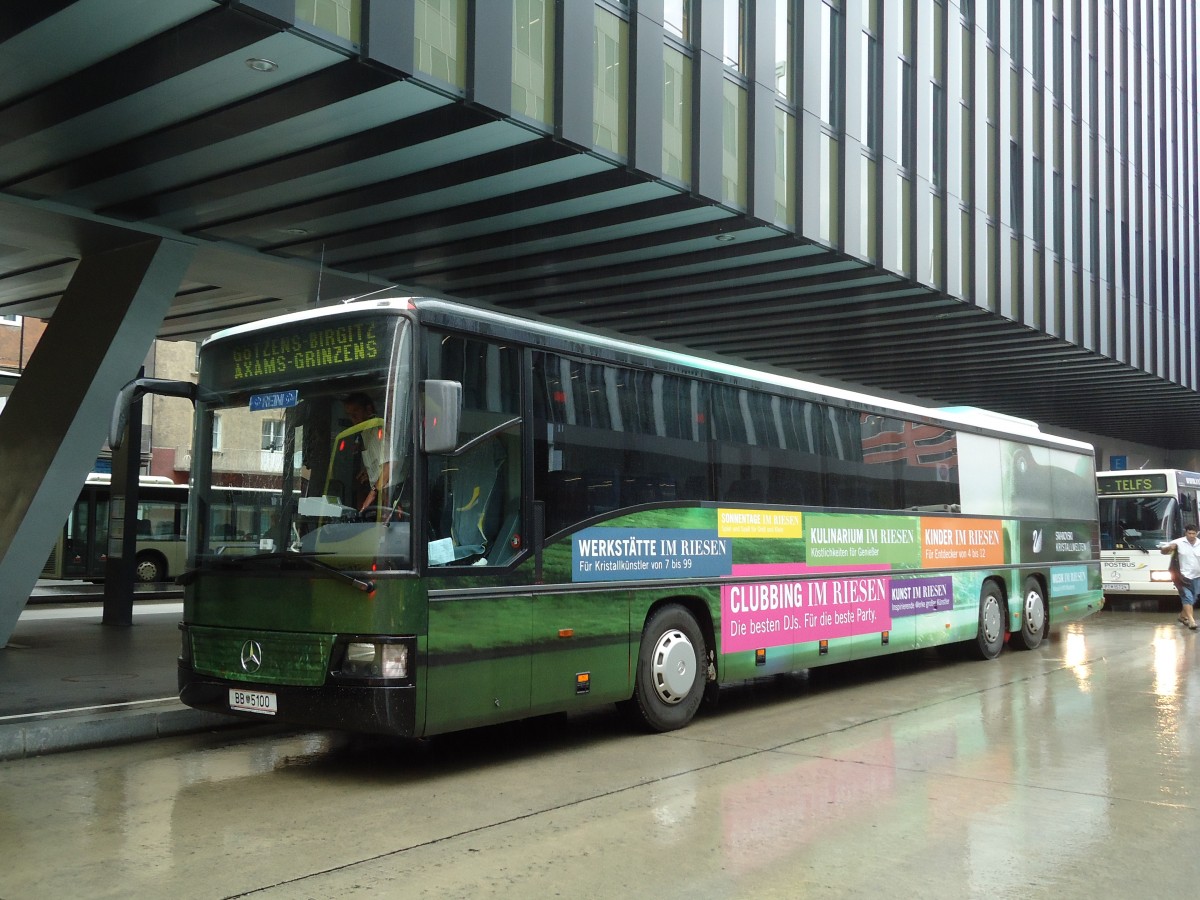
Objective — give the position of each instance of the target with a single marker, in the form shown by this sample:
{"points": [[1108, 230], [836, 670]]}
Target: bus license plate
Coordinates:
{"points": [[263, 702], [1116, 587]]}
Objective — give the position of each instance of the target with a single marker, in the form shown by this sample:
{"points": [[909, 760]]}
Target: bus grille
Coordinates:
{"points": [[285, 658]]}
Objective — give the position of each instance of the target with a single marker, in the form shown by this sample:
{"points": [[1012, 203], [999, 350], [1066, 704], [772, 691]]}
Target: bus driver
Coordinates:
{"points": [[375, 474]]}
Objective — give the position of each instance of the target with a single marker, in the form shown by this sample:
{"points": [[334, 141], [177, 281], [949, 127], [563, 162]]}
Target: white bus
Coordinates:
{"points": [[1138, 511], [241, 518]]}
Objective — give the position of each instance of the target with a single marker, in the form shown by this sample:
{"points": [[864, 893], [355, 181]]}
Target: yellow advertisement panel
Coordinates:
{"points": [[759, 523]]}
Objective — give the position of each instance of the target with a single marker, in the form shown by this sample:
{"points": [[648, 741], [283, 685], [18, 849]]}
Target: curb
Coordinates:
{"points": [[39, 734]]}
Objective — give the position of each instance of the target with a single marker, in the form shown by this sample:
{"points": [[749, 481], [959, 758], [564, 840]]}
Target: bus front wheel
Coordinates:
{"points": [[148, 567], [989, 640], [1033, 615], [671, 671]]}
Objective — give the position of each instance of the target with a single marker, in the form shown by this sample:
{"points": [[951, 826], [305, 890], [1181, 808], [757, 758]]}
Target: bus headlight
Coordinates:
{"points": [[374, 659], [1162, 575], [393, 659]]}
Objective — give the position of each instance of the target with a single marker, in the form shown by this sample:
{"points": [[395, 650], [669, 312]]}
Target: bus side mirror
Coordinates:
{"points": [[441, 404]]}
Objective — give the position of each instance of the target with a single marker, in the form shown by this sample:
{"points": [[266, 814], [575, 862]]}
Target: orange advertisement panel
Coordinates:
{"points": [[961, 542]]}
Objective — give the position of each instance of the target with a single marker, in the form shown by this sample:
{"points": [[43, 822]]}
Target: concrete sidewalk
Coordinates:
{"points": [[68, 682]]}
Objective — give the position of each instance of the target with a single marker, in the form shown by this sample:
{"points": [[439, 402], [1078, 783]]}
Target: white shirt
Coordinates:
{"points": [[1189, 557], [374, 453]]}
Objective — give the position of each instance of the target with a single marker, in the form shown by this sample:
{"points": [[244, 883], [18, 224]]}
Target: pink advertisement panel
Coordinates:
{"points": [[770, 614]]}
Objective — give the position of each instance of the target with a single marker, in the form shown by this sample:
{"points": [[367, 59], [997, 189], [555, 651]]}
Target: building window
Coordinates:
{"points": [[440, 39], [785, 168], [677, 18], [677, 115], [966, 139], [938, 129], [733, 169], [735, 35], [906, 90], [870, 81], [1016, 186], [533, 60], [938, 98], [10, 320], [831, 65], [1039, 196], [830, 187], [785, 35], [966, 257], [869, 216], [937, 245], [903, 224], [340, 17], [904, 101], [272, 435], [1039, 23], [610, 123], [216, 433], [1016, 34]]}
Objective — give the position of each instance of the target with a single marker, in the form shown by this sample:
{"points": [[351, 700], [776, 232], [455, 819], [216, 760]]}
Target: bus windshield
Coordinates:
{"points": [[319, 419], [1137, 523]]}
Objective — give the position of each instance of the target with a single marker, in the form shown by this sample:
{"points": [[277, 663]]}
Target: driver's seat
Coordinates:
{"points": [[474, 498]]}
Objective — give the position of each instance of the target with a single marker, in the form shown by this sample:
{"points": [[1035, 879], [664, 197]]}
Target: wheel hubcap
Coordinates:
{"points": [[1035, 615], [991, 620], [674, 666]]}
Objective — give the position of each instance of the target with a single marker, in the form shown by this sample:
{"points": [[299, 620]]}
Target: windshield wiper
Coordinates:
{"points": [[307, 558]]}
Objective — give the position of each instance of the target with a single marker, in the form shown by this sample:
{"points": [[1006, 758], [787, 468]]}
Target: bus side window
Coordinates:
{"points": [[608, 438], [474, 500]]}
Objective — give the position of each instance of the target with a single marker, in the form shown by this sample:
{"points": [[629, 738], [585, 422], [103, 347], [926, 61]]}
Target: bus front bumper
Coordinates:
{"points": [[371, 709]]}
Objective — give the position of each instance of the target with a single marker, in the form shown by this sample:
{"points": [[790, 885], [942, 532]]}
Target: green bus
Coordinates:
{"points": [[484, 518]]}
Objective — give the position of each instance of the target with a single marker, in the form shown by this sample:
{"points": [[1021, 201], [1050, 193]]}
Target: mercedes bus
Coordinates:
{"points": [[554, 519]]}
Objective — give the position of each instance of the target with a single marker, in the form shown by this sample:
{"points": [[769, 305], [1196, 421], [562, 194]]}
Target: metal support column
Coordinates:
{"points": [[57, 418]]}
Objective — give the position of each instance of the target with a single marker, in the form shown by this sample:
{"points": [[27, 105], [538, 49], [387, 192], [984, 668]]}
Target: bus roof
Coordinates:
{"points": [[962, 416], [146, 480]]}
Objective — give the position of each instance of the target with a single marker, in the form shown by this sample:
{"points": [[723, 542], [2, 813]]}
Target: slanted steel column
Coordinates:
{"points": [[57, 418]]}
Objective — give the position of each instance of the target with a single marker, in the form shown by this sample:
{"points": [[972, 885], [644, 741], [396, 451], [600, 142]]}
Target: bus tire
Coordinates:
{"points": [[1033, 616], [149, 567], [989, 639], [671, 670]]}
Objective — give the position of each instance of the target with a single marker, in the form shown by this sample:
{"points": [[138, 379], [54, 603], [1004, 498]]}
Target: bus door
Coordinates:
{"points": [[79, 539]]}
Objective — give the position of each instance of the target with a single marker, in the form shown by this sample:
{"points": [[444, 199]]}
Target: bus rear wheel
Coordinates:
{"points": [[671, 671], [148, 567], [989, 640], [1033, 615]]}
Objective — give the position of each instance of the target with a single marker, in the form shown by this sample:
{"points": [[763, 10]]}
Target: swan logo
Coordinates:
{"points": [[1037, 540]]}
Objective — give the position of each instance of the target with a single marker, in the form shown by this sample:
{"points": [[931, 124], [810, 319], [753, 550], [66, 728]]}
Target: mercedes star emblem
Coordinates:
{"points": [[251, 656]]}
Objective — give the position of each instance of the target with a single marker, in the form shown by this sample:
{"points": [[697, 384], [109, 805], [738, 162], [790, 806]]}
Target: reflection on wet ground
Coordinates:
{"points": [[1061, 772]]}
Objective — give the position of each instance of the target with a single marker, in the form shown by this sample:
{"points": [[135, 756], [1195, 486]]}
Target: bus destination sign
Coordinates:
{"points": [[1133, 483], [304, 350], [274, 400]]}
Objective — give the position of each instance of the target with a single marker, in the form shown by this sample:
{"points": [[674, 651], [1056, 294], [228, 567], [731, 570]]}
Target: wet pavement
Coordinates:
{"points": [[1064, 772], [67, 681]]}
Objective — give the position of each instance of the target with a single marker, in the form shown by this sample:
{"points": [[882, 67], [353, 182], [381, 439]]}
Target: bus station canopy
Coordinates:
{"points": [[305, 171]]}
